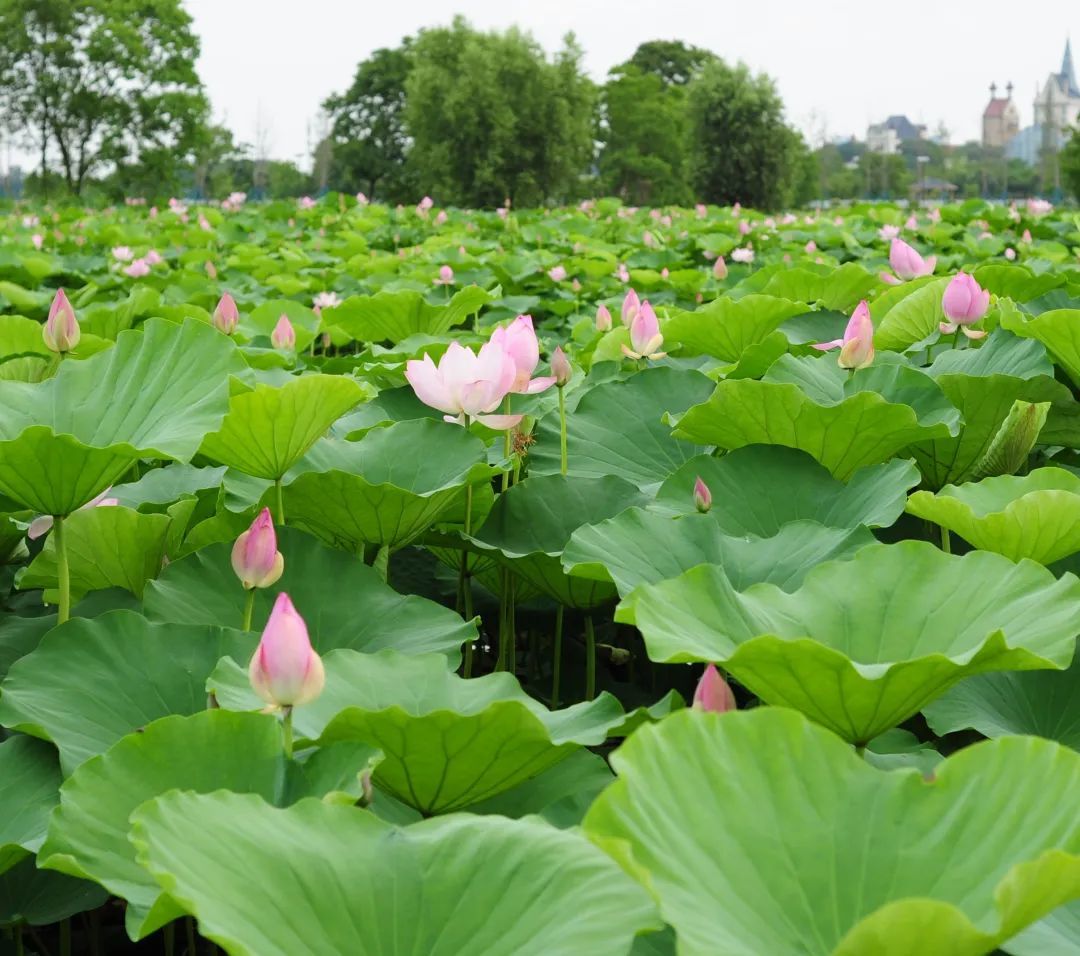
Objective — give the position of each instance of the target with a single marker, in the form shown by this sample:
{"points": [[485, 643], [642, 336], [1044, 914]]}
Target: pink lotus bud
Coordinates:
{"points": [[446, 276], [61, 331], [744, 228], [719, 269], [912, 224], [361, 199], [603, 318], [702, 210], [857, 345], [1010, 254], [441, 217], [1026, 237], [284, 335], [742, 255], [645, 337], [37, 239], [964, 303], [137, 269], [153, 257], [702, 496], [255, 557], [226, 315], [122, 253], [630, 306], [285, 670], [713, 693], [907, 263], [557, 273], [560, 367], [648, 238], [811, 247], [211, 270]]}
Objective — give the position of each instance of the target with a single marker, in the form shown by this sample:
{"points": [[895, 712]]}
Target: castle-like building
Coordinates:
{"points": [[1001, 118]]}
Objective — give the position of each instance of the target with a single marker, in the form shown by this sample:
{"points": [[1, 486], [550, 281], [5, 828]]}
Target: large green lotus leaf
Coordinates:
{"points": [[1034, 516], [394, 316], [845, 423], [822, 854], [338, 880], [758, 489], [24, 356], [841, 650], [344, 602], [725, 328], [911, 319], [985, 403], [1015, 281], [110, 547], [91, 682], [1041, 703], [39, 897], [1055, 935], [618, 428], [531, 524], [155, 394], [643, 547], [1058, 330], [447, 742], [389, 487], [163, 486], [269, 429], [29, 780], [1002, 353], [840, 288], [214, 750]]}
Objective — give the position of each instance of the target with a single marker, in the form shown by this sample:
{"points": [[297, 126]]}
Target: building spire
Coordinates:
{"points": [[1068, 73]]}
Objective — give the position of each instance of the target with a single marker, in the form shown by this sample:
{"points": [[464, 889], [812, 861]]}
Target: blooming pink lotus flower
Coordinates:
{"points": [[284, 335], [713, 693], [964, 303], [285, 671], [38, 240], [40, 526], [557, 273], [325, 300], [719, 269], [446, 276], [361, 199], [742, 255], [838, 220], [770, 223], [122, 253], [137, 269], [30, 221], [603, 318], [255, 557], [889, 232], [466, 384], [1039, 207], [907, 263], [425, 204], [622, 273], [857, 345], [61, 331], [561, 368], [630, 306], [306, 202], [518, 340], [648, 239], [1010, 254], [226, 315], [702, 496], [645, 337], [153, 257], [788, 218]]}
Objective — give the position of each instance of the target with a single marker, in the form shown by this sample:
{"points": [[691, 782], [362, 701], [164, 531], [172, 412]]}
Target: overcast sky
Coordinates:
{"points": [[838, 63]]}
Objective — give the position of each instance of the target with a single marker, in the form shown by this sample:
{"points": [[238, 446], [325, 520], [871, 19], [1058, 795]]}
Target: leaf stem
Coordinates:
{"points": [[562, 431], [556, 657], [63, 572], [590, 658], [249, 604], [464, 587], [280, 503], [65, 937], [168, 940], [507, 444], [286, 730], [189, 927], [946, 541], [956, 339]]}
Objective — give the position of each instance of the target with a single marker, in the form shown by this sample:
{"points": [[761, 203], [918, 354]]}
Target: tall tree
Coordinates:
{"points": [[671, 60], [645, 158], [100, 81], [743, 150], [1070, 164], [491, 117], [370, 137]]}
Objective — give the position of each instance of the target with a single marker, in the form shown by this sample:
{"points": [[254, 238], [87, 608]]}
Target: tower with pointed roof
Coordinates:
{"points": [[1057, 102], [1001, 118]]}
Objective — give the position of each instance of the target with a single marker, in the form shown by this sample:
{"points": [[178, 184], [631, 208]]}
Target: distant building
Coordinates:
{"points": [[1057, 104], [1001, 118], [1025, 145], [886, 137]]}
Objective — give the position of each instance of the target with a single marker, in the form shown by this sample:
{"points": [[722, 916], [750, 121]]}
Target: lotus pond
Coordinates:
{"points": [[585, 581]]}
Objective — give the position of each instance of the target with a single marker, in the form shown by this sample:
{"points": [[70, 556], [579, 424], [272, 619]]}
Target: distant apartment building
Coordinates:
{"points": [[886, 137]]}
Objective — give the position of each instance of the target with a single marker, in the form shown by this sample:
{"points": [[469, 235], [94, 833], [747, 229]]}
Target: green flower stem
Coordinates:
{"points": [[508, 446], [946, 541], [956, 339], [590, 658], [280, 503], [286, 730], [464, 588], [63, 572], [168, 940], [17, 932], [556, 657], [562, 430], [249, 604]]}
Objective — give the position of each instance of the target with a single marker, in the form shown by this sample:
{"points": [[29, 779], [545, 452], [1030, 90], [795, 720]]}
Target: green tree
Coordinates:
{"points": [[1070, 164], [645, 157], [491, 117], [742, 149], [97, 82], [371, 140], [671, 60]]}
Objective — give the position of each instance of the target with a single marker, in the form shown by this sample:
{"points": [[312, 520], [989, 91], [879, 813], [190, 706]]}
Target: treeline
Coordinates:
{"points": [[475, 118]]}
